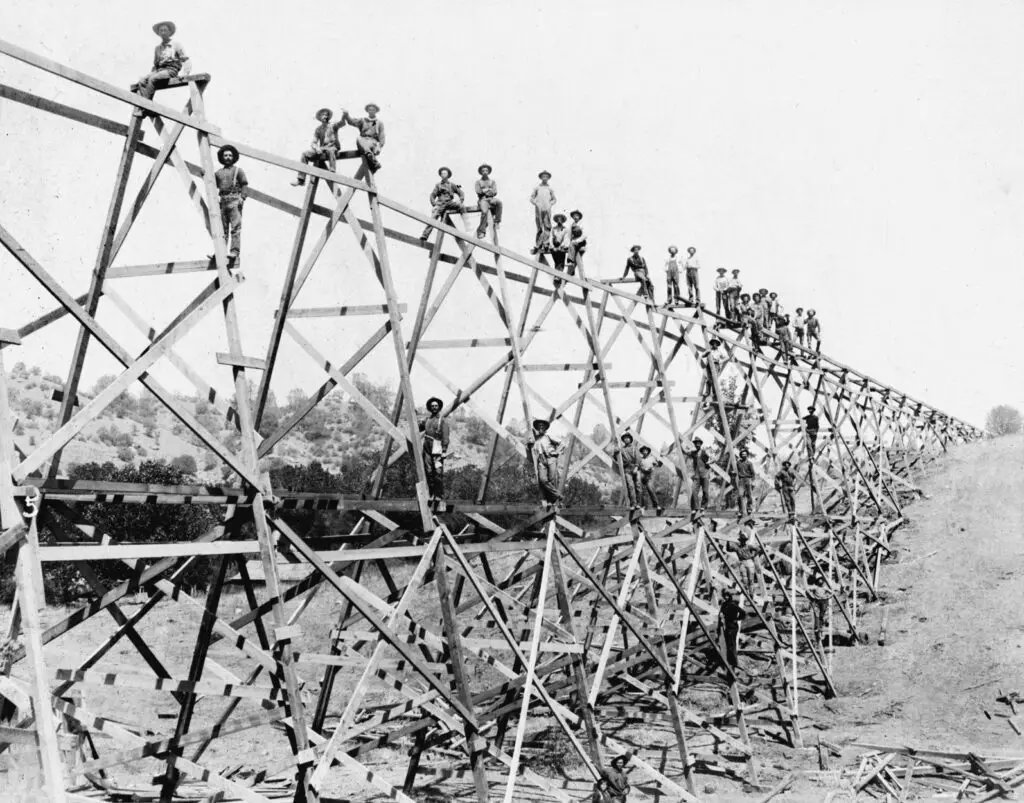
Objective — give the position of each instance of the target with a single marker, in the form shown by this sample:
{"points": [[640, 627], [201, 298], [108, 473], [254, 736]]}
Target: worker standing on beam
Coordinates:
{"points": [[721, 292], [169, 61], [577, 244], [543, 200], [487, 198], [233, 187], [323, 150], [733, 297], [818, 597], [646, 471], [785, 481], [745, 485], [692, 276], [730, 620], [546, 451], [446, 197], [812, 426], [747, 554], [700, 474], [630, 456], [813, 331], [799, 326], [370, 141], [672, 266], [436, 437]]}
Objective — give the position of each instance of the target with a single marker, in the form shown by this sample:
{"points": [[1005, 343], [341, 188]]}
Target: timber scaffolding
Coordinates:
{"points": [[590, 620]]}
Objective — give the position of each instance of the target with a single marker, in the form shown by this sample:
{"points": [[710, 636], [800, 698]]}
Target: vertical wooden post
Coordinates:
{"points": [[457, 658]]}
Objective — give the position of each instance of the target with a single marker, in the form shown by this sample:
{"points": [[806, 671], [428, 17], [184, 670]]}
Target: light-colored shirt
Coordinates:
{"points": [[486, 188], [721, 284], [169, 56], [560, 238], [735, 285], [692, 263], [798, 322], [543, 196], [649, 463], [370, 127], [547, 448]]}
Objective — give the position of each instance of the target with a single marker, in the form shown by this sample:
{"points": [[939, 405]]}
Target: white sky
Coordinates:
{"points": [[861, 158]]}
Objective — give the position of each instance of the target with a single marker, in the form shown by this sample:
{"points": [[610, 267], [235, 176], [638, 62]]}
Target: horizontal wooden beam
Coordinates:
{"points": [[465, 343], [10, 337], [161, 269], [335, 312], [53, 554], [565, 366], [241, 361]]}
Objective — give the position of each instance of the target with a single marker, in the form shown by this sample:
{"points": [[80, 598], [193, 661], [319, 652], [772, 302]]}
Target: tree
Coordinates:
{"points": [[185, 463], [1003, 420]]}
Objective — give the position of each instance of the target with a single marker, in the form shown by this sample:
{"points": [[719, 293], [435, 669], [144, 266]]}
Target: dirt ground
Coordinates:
{"points": [[955, 638]]}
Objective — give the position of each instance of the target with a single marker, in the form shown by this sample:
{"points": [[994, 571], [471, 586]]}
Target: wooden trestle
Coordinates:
{"points": [[585, 619]]}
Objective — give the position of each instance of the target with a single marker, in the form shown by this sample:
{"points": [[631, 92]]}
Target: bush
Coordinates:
{"points": [[126, 454], [1003, 420], [186, 464]]}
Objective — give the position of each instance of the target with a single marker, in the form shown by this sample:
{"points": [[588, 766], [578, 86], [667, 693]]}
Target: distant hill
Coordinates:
{"points": [[137, 427]]}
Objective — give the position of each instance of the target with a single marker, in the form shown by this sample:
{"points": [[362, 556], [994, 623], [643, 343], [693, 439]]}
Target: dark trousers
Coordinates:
{"points": [[492, 207], [745, 497], [732, 643], [434, 466], [442, 208], [720, 303], [146, 87], [646, 285], [646, 491], [692, 285], [634, 493], [325, 158], [547, 477], [788, 503], [700, 492], [560, 263], [672, 288]]}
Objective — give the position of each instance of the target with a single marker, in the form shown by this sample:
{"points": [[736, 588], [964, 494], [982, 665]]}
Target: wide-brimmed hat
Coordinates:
{"points": [[714, 342], [441, 170], [432, 400], [227, 149], [321, 111], [169, 24], [369, 106], [691, 248], [559, 218], [735, 270], [811, 312], [625, 435], [645, 448], [673, 250], [744, 452], [785, 462], [773, 294], [541, 423], [720, 270], [810, 409], [575, 213], [481, 168], [634, 248], [543, 173], [698, 440]]}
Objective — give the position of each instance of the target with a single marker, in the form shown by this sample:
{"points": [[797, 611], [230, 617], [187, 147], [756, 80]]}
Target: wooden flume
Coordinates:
{"points": [[587, 618]]}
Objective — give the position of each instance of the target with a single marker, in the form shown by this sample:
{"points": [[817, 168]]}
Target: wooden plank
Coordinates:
{"points": [[568, 366], [240, 361], [10, 337], [161, 269], [134, 551], [466, 343], [353, 309]]}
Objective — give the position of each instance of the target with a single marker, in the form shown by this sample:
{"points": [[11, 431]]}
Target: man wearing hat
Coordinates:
{"points": [[785, 337], [169, 61], [730, 619], [488, 200], [446, 197], [700, 469], [811, 427], [747, 554], [546, 451], [785, 481], [560, 236], [745, 484], [323, 151], [436, 435], [692, 277], [630, 456], [813, 325], [543, 200], [370, 141], [612, 786], [577, 244], [733, 296], [233, 188], [672, 267], [721, 292], [638, 265]]}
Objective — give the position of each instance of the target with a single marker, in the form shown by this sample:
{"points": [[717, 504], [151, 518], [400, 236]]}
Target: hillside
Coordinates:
{"points": [[955, 598], [136, 428]]}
